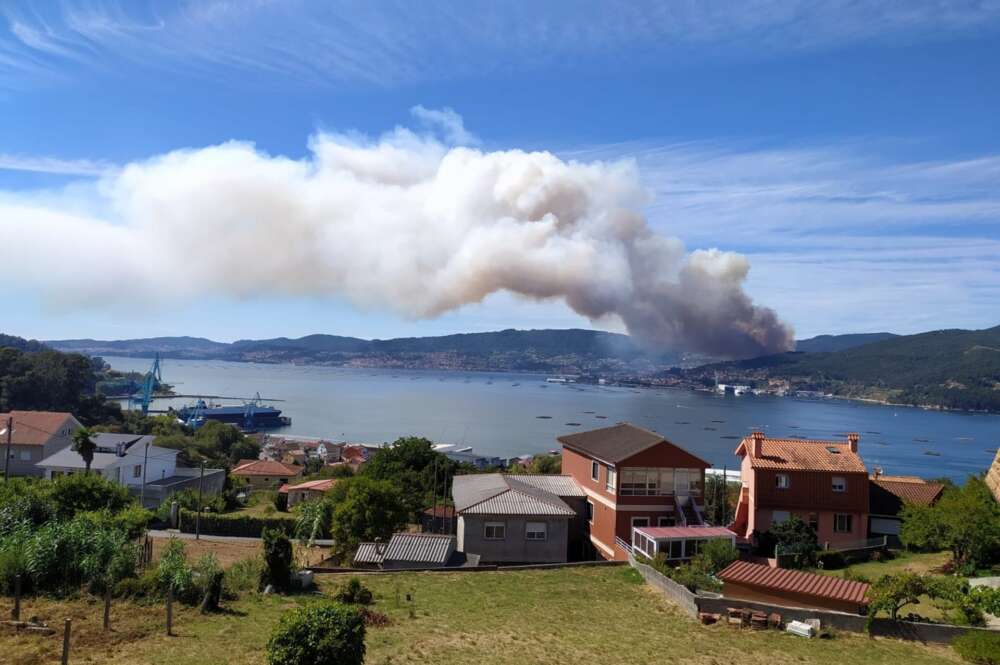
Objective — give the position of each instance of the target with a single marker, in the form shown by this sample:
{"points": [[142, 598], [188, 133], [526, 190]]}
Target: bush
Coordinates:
{"points": [[79, 493], [353, 592], [174, 572], [281, 502], [143, 587], [979, 647], [716, 554], [319, 635], [242, 577], [247, 526], [830, 560], [277, 560]]}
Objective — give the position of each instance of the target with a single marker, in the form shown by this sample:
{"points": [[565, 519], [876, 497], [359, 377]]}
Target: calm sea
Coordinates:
{"points": [[512, 414]]}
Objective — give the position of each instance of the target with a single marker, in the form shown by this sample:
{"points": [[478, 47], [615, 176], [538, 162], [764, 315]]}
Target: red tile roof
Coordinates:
{"points": [[922, 493], [35, 428], [794, 581], [802, 455], [264, 468], [440, 511], [321, 485]]}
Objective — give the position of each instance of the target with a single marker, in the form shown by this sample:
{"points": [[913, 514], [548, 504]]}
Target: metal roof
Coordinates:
{"points": [[685, 532], [794, 581], [499, 494], [369, 553], [420, 548], [555, 484], [619, 442]]}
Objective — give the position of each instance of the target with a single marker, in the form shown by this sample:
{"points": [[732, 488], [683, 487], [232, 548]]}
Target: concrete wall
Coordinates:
{"points": [[514, 548], [686, 600]]}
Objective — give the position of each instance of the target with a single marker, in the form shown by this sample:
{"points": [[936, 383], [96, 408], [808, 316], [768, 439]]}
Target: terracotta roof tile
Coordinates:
{"points": [[802, 455], [321, 485], [35, 428], [887, 496], [264, 468], [794, 582]]}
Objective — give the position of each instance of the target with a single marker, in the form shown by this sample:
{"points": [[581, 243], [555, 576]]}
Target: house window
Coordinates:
{"points": [[839, 484], [814, 522], [665, 521], [25, 455], [649, 481], [842, 523], [590, 512], [137, 471], [781, 481], [495, 531], [779, 516], [640, 521], [595, 471], [676, 549], [535, 531], [612, 477]]}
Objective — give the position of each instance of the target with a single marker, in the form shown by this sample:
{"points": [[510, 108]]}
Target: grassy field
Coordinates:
{"points": [[603, 615]]}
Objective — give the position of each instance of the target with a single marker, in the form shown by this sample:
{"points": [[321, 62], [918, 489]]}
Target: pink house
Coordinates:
{"points": [[825, 483]]}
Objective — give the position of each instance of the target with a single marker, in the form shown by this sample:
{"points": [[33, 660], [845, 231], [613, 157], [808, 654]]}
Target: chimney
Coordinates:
{"points": [[758, 443], [853, 439], [878, 472]]}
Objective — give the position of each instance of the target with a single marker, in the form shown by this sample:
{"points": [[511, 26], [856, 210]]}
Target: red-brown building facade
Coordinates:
{"points": [[632, 477]]}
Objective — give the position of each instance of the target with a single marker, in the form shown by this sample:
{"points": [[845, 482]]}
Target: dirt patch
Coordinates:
{"points": [[229, 552]]}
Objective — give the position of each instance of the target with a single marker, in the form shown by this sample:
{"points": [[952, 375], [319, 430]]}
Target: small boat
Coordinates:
{"points": [[514, 385], [601, 417], [572, 424], [682, 422], [922, 440], [710, 429], [544, 417], [730, 436], [589, 413], [932, 453], [718, 421]]}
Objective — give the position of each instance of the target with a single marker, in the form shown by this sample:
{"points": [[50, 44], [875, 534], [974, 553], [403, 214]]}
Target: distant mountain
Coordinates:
{"points": [[21, 344], [828, 343], [572, 350], [946, 368]]}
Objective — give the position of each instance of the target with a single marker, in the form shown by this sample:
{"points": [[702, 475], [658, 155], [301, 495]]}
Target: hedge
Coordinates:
{"points": [[247, 526]]}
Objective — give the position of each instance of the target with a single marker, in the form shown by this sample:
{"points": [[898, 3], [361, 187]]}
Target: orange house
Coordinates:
{"points": [[825, 483], [632, 477]]}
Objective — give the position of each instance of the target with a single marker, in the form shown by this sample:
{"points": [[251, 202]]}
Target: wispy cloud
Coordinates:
{"points": [[54, 165], [388, 42]]}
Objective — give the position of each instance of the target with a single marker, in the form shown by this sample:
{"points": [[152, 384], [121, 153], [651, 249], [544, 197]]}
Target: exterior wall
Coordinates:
{"points": [[733, 591], [825, 518], [812, 490], [266, 482], [298, 496], [23, 458], [514, 548], [159, 465]]}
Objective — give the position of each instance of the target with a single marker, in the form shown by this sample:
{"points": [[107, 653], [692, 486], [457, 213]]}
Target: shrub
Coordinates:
{"points": [[79, 493], [695, 577], [208, 578], [242, 576], [979, 647], [281, 502], [277, 560], [353, 592], [145, 586], [174, 572], [319, 635], [830, 560], [247, 526], [716, 554]]}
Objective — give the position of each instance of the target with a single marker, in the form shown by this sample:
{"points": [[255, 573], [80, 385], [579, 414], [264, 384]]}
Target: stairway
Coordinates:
{"points": [[691, 517]]}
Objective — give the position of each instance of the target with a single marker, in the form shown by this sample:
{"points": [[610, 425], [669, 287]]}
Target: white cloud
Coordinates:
{"points": [[447, 121], [54, 165], [403, 223]]}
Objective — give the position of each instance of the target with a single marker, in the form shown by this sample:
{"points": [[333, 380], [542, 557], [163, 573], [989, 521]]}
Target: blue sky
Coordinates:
{"points": [[849, 150]]}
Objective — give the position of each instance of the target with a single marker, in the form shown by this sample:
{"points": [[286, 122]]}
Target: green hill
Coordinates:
{"points": [[957, 369]]}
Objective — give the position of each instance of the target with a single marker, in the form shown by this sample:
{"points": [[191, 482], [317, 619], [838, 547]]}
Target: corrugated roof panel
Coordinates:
{"points": [[556, 484], [419, 548], [795, 581], [369, 553], [516, 502]]}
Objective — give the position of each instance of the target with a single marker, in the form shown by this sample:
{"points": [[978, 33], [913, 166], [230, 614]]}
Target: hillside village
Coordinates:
{"points": [[807, 538]]}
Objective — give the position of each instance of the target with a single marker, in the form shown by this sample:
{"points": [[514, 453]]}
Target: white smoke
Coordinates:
{"points": [[403, 222]]}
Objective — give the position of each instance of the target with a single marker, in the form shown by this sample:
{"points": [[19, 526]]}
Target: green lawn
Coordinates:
{"points": [[915, 562], [588, 615]]}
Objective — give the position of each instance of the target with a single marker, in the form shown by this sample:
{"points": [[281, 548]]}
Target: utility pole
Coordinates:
{"points": [[142, 490], [6, 457], [434, 510], [197, 521]]}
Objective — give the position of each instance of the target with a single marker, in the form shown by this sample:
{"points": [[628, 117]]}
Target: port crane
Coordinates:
{"points": [[144, 395]]}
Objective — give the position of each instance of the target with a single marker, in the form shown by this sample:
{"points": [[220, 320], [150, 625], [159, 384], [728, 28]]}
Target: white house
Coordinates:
{"points": [[119, 457]]}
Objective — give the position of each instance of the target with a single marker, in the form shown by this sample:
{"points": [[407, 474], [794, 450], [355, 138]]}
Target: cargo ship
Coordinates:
{"points": [[249, 417]]}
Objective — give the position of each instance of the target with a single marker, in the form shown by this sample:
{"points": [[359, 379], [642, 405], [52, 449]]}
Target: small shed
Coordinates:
{"points": [[411, 551], [742, 580]]}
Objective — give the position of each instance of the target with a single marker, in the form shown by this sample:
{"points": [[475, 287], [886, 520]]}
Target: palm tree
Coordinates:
{"points": [[83, 445]]}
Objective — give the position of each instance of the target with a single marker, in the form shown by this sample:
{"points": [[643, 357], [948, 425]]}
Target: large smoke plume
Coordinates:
{"points": [[403, 222]]}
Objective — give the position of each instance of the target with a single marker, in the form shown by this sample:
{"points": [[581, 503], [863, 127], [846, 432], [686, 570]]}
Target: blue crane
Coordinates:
{"points": [[144, 396]]}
